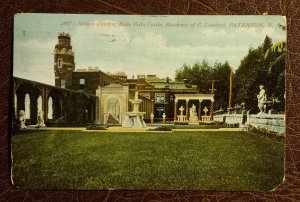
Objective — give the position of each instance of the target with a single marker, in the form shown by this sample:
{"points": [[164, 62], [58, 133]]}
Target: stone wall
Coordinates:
{"points": [[270, 122], [219, 118], [230, 118]]}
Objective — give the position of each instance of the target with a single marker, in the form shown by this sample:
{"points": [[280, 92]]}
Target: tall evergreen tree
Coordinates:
{"points": [[261, 66]]}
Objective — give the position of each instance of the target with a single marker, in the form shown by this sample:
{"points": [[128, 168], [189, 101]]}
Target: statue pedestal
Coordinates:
{"points": [[193, 119], [205, 119], [181, 118]]}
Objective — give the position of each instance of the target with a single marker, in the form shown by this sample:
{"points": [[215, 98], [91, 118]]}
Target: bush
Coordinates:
{"points": [[96, 127], [162, 128], [265, 132], [233, 125]]}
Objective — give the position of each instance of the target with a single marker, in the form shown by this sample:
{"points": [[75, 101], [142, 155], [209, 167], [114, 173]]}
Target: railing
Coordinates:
{"points": [[181, 118], [205, 118]]}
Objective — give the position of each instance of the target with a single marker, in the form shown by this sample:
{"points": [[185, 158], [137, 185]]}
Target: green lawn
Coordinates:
{"points": [[178, 160]]}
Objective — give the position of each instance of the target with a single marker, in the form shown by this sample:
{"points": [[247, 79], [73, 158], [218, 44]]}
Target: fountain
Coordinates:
{"points": [[134, 119]]}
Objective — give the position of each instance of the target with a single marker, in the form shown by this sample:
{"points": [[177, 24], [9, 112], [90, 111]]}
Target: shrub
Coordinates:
{"points": [[265, 132], [96, 127], [162, 128]]}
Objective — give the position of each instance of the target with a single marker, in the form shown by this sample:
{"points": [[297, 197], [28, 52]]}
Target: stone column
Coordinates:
{"points": [[164, 118], [199, 113], [212, 110], [45, 100], [187, 109], [175, 111], [151, 118], [147, 109]]}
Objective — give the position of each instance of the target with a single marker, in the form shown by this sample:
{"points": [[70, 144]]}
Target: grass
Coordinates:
{"points": [[178, 160]]}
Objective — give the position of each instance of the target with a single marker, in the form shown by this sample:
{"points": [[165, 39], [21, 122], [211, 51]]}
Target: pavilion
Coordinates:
{"points": [[196, 108]]}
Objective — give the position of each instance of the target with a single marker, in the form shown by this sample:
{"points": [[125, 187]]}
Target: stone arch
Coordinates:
{"points": [[104, 94], [112, 108], [34, 92], [57, 104], [27, 106], [49, 106], [90, 116], [40, 103]]}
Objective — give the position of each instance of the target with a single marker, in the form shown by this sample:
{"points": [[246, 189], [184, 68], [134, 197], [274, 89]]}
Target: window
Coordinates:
{"points": [[171, 98], [81, 81], [63, 83], [159, 97], [131, 86], [159, 112], [60, 62]]}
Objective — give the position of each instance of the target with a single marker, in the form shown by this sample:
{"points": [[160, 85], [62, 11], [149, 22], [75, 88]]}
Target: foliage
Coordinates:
{"points": [[178, 160], [265, 132], [96, 127], [200, 126], [221, 75], [261, 66], [276, 67], [199, 74], [162, 128], [202, 74]]}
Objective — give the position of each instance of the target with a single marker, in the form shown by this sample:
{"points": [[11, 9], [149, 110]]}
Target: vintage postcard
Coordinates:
{"points": [[148, 102]]}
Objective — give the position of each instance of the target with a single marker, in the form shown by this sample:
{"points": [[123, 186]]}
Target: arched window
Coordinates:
{"points": [[50, 108], [27, 106], [40, 103]]}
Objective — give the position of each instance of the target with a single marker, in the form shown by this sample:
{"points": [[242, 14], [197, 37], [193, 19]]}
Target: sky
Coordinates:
{"points": [[137, 44]]}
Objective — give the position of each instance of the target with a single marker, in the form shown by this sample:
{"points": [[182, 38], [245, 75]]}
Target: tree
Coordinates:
{"points": [[202, 74], [221, 75], [247, 78], [275, 56], [261, 66], [199, 74]]}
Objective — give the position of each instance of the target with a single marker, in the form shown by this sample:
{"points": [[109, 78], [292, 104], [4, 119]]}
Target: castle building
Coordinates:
{"points": [[64, 64], [159, 93], [66, 76]]}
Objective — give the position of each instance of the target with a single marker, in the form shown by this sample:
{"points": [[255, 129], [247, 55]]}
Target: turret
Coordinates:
{"points": [[64, 63]]}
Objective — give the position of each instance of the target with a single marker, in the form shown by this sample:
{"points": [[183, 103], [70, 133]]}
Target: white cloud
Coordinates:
{"points": [[141, 52]]}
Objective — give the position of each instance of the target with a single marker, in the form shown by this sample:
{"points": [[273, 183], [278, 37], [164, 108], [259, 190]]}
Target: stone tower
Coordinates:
{"points": [[64, 63]]}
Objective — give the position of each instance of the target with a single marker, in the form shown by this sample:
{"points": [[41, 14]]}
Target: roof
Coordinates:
{"points": [[199, 96], [117, 74], [152, 78], [171, 85]]}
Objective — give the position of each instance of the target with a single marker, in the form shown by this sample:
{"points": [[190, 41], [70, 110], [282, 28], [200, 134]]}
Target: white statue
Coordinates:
{"points": [[22, 119], [136, 95], [40, 120], [181, 109], [193, 110], [193, 115], [261, 99], [205, 110]]}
